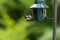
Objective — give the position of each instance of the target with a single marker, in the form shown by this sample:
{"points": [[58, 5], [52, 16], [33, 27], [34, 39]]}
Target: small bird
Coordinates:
{"points": [[28, 17]]}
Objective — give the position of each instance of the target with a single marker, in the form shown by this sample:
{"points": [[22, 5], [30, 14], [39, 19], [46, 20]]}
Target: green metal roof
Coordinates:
{"points": [[39, 5]]}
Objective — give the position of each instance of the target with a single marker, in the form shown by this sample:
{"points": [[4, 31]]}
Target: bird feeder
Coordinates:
{"points": [[39, 10]]}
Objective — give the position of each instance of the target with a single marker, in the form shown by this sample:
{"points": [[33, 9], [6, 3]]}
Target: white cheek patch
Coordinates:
{"points": [[26, 16]]}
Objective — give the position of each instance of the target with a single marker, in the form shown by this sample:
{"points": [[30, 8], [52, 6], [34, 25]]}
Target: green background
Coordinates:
{"points": [[13, 25]]}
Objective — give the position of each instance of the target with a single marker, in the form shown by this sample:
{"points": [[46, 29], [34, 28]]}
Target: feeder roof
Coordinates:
{"points": [[39, 5]]}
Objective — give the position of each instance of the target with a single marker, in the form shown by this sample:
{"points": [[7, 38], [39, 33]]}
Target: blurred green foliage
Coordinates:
{"points": [[13, 25]]}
